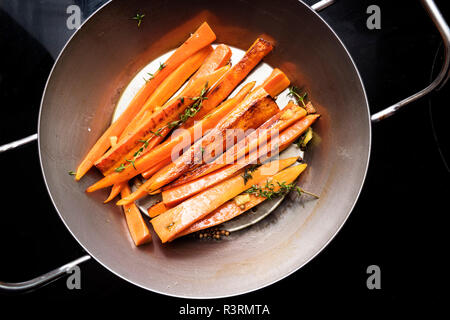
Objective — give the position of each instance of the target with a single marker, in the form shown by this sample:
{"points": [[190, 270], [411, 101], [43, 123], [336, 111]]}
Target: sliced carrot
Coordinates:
{"points": [[177, 219], [171, 111], [249, 114], [136, 225], [168, 87], [216, 59], [231, 209], [259, 49], [115, 190], [157, 209], [276, 82], [202, 37], [161, 155], [278, 122], [175, 195]]}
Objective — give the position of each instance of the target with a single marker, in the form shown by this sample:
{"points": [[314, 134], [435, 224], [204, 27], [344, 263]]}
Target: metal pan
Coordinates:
{"points": [[105, 54]]}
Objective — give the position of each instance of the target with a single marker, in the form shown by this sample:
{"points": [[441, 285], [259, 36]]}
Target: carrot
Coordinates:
{"points": [[232, 209], [216, 59], [157, 209], [199, 39], [207, 123], [249, 114], [161, 155], [276, 82], [168, 87], [115, 190], [259, 49], [278, 122], [176, 194], [171, 111], [177, 219], [136, 225]]}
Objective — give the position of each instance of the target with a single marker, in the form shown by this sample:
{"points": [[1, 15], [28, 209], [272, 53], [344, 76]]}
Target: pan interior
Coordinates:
{"points": [[87, 82]]}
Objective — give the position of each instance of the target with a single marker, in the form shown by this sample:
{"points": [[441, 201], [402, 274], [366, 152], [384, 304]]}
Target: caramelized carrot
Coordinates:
{"points": [[231, 209], [136, 225], [257, 139], [259, 49], [254, 148], [171, 111], [161, 155], [177, 219], [157, 209], [216, 59], [168, 87], [115, 190], [202, 37], [253, 111]]}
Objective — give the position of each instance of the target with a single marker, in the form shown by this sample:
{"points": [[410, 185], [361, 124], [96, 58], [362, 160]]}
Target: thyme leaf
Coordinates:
{"points": [[138, 17], [120, 168], [298, 95]]}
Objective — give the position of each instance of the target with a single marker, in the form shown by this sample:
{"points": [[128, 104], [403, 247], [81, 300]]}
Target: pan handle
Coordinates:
{"points": [[49, 276], [443, 75]]}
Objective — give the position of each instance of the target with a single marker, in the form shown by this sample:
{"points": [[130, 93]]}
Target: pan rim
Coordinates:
{"points": [[264, 285]]}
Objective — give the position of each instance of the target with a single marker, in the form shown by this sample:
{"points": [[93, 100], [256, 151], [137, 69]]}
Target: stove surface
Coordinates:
{"points": [[396, 223]]}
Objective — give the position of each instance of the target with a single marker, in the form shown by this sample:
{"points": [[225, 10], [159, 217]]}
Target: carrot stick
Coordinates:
{"points": [[276, 82], [216, 59], [171, 111], [231, 209], [278, 122], [259, 49], [199, 39], [168, 87], [157, 209], [250, 114], [115, 190], [177, 194], [136, 225], [162, 153], [207, 123], [177, 219]]}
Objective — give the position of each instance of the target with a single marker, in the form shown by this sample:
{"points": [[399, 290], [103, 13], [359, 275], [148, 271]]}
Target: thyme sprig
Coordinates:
{"points": [[138, 17], [120, 168], [298, 95], [71, 173], [192, 110], [247, 175], [269, 192]]}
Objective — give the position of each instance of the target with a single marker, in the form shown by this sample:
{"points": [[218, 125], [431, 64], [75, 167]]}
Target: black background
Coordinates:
{"points": [[397, 224]]}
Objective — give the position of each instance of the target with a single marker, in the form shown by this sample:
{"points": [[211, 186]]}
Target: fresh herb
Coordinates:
{"points": [[248, 173], [269, 192], [145, 142], [161, 66], [138, 17], [192, 110], [72, 173], [132, 162], [120, 169], [182, 99], [202, 149], [296, 93], [151, 76], [156, 133], [304, 139], [300, 191]]}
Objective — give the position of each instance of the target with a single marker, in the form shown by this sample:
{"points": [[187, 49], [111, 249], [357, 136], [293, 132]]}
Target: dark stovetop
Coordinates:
{"points": [[396, 223]]}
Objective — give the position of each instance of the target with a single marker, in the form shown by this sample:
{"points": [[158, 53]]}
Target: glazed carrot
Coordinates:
{"points": [[136, 225], [177, 219], [249, 114], [157, 209], [216, 59], [231, 209], [276, 82], [175, 195], [199, 39], [259, 49], [161, 155], [204, 125], [171, 111], [256, 139], [115, 190], [169, 86]]}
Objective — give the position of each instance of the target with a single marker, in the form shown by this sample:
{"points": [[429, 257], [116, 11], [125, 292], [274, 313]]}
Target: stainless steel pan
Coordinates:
{"points": [[102, 57]]}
